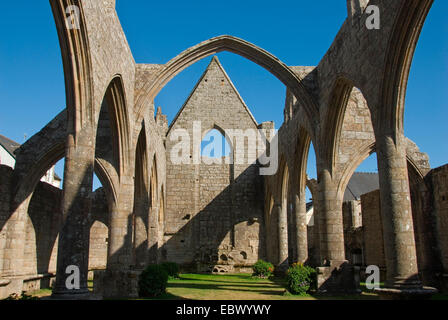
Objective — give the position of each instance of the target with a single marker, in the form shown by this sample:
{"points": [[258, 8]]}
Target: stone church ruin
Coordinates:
{"points": [[223, 217]]}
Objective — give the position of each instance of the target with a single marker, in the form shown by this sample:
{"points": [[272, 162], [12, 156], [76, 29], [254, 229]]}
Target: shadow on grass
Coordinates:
{"points": [[274, 287], [209, 286]]}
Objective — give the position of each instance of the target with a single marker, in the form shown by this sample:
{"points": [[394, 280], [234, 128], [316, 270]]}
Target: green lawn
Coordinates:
{"points": [[237, 287]]}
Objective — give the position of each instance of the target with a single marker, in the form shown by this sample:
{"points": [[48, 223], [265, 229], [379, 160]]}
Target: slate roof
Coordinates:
{"points": [[361, 183], [9, 145], [309, 205]]}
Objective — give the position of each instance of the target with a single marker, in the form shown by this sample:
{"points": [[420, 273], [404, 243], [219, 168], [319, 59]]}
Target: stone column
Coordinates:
{"points": [[153, 235], [73, 248], [331, 221], [282, 212], [120, 255], [316, 234], [301, 227], [12, 264], [121, 277], [335, 275], [398, 230], [140, 241]]}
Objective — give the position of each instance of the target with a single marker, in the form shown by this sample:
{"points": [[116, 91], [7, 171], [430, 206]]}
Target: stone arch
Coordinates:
{"points": [[108, 179], [141, 201], [416, 172], [223, 132], [402, 44], [334, 120], [298, 230], [424, 238], [234, 45], [33, 161], [27, 181], [77, 65], [153, 219], [363, 153], [113, 117], [301, 155]]}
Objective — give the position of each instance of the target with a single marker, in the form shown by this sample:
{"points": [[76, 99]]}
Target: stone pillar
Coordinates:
{"points": [[282, 212], [301, 227], [13, 260], [316, 234], [331, 221], [120, 279], [73, 248], [313, 187], [120, 255], [398, 230], [140, 241], [402, 280], [335, 275], [153, 235]]}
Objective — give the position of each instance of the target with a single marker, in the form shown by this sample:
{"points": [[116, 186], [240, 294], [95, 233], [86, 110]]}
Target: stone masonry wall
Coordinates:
{"points": [[214, 212], [42, 228], [99, 232], [5, 209], [438, 179], [372, 226]]}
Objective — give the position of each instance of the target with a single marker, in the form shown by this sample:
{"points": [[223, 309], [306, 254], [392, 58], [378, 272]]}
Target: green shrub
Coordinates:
{"points": [[263, 269], [301, 279], [152, 281], [172, 269]]}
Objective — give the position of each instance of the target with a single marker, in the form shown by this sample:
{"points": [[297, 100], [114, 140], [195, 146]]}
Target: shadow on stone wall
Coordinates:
{"points": [[227, 235]]}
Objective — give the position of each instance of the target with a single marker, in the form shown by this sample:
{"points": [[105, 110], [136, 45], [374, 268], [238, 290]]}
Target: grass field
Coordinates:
{"points": [[237, 287]]}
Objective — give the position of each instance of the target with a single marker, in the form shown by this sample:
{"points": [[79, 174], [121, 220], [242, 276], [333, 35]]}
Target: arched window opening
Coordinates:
{"points": [[141, 203], [215, 145], [42, 222], [54, 176], [362, 192]]}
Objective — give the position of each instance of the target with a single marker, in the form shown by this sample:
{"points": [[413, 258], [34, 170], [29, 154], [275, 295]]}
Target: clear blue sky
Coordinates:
{"points": [[298, 32]]}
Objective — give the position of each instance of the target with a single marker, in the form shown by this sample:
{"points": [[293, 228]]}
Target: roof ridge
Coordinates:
{"points": [[9, 145], [213, 61]]}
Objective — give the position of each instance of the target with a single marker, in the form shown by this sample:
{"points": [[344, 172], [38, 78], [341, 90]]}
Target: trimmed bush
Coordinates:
{"points": [[263, 269], [152, 281], [172, 269], [301, 279]]}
